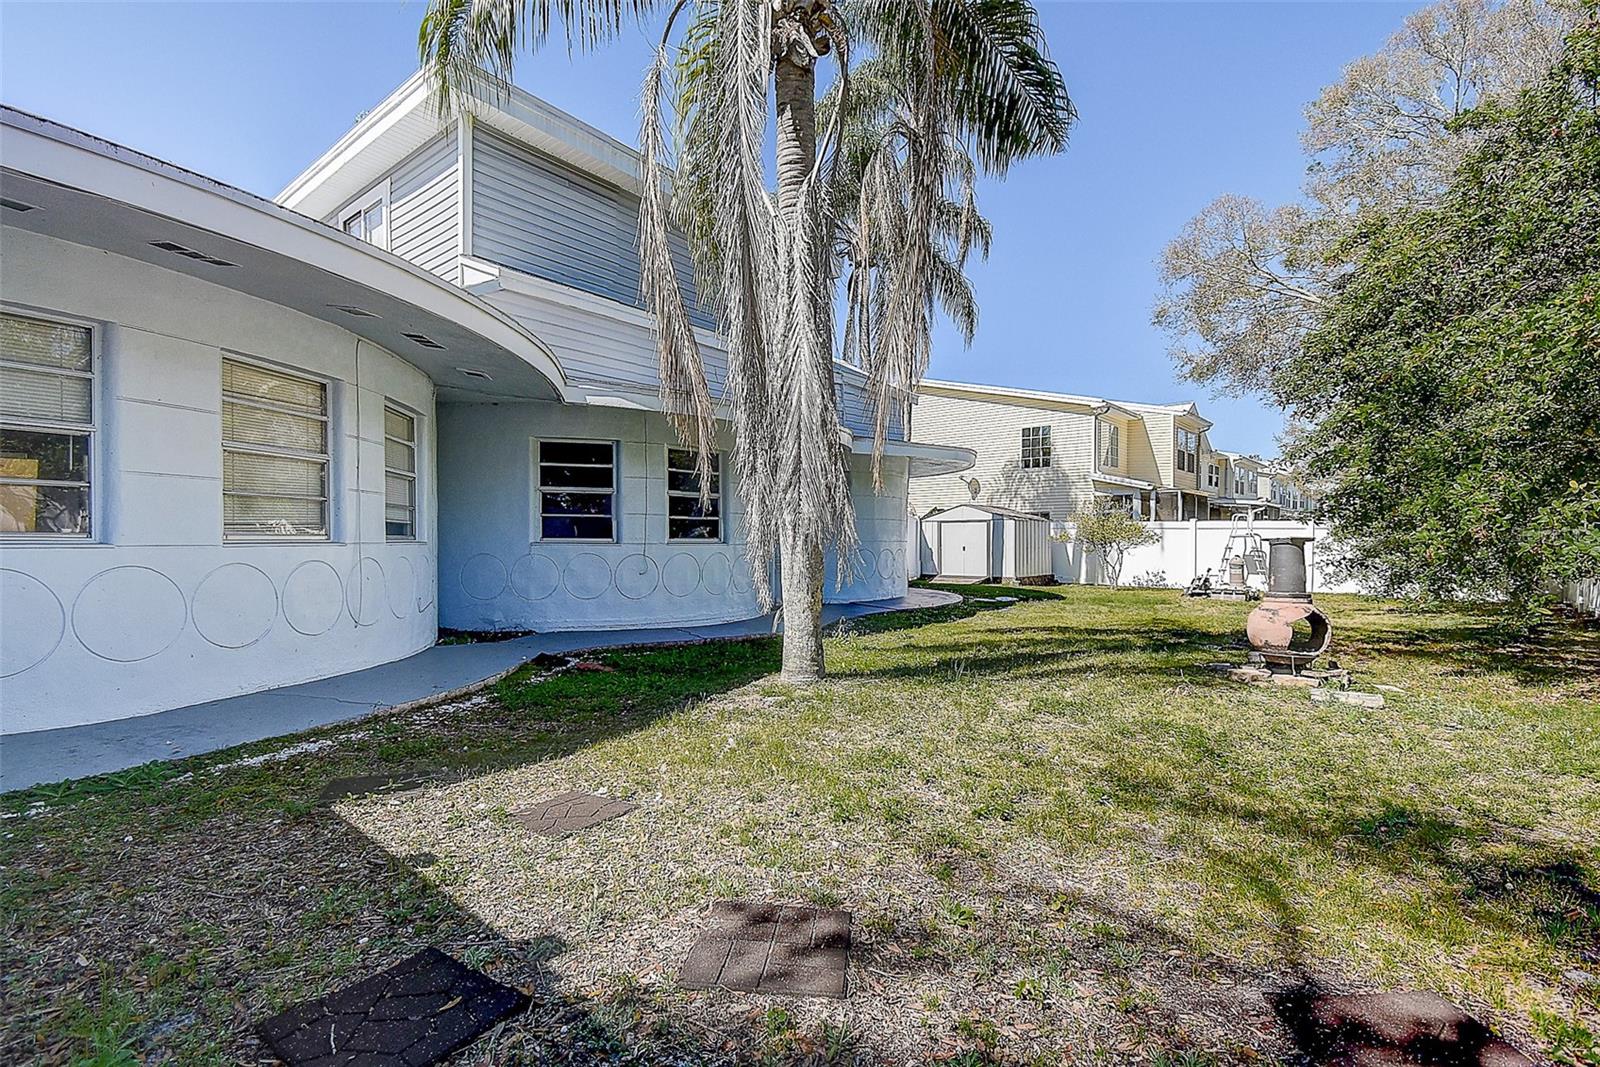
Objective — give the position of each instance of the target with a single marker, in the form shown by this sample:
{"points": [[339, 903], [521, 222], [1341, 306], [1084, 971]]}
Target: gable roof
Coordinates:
{"points": [[991, 509], [1023, 397], [1187, 409]]}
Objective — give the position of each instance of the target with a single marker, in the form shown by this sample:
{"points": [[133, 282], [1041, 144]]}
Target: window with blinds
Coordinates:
{"points": [[46, 426], [688, 517], [274, 453], [399, 475]]}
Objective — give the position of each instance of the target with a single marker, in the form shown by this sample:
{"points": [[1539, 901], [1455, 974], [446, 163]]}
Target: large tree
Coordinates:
{"points": [[1243, 283], [1452, 387], [924, 94]]}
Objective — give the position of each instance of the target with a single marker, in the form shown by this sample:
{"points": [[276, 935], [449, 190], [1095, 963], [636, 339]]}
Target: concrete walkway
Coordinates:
{"points": [[432, 674]]}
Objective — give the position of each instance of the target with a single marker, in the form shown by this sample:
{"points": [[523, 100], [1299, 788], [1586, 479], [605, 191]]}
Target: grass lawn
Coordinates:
{"points": [[1062, 838]]}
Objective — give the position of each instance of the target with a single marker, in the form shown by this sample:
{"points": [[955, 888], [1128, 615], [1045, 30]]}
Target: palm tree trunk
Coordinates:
{"points": [[800, 553]]}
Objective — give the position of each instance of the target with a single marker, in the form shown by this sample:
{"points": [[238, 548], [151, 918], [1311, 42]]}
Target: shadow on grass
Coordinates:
{"points": [[233, 934], [1554, 651], [1499, 875], [1062, 651]]}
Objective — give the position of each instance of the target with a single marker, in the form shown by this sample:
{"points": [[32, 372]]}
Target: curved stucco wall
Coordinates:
{"points": [[158, 612], [496, 574], [879, 571]]}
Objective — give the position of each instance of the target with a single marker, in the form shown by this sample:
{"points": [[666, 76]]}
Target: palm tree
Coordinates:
{"points": [[876, 196]]}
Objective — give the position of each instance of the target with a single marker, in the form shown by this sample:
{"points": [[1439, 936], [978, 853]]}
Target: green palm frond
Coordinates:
{"points": [[471, 45], [1008, 95]]}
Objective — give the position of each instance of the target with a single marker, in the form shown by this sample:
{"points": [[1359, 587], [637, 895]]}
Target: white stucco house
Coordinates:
{"points": [[246, 443]]}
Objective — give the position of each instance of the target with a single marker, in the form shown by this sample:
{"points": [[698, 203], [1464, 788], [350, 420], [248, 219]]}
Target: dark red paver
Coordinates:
{"points": [[771, 948], [571, 812], [417, 1012], [1382, 1029]]}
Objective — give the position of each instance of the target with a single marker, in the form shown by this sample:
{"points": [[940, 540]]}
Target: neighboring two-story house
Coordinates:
{"points": [[1238, 486], [1057, 454]]}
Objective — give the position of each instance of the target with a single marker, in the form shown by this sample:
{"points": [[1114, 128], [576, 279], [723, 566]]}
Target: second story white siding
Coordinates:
{"points": [[995, 432]]}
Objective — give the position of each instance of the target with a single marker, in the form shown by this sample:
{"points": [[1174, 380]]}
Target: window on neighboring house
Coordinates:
{"points": [[577, 490], [399, 475], [1189, 451], [367, 223], [46, 426], [1111, 452], [1041, 514], [1213, 476], [274, 453], [1036, 446], [688, 519], [1244, 483]]}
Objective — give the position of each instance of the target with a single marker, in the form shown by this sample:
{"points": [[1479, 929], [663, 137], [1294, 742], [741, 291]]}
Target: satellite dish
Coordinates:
{"points": [[974, 487]]}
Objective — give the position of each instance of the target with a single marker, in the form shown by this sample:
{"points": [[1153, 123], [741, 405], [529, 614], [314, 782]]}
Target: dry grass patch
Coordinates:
{"points": [[1058, 834]]}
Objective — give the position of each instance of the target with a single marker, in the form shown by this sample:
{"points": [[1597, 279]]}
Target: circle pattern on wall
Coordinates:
{"points": [[886, 564], [483, 577], [129, 613], [534, 577], [740, 579], [866, 565], [638, 576], [364, 591], [681, 575], [313, 598], [235, 605], [32, 624], [402, 587], [587, 575], [715, 573]]}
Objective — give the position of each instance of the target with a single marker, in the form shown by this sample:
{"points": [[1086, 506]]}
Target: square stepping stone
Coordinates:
{"points": [[417, 1012], [362, 784], [771, 948], [571, 812]]}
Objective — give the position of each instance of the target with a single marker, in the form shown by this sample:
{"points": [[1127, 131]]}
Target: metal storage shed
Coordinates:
{"points": [[979, 542]]}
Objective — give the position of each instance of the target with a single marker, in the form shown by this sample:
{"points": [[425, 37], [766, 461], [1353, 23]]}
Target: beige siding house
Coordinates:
{"points": [[1057, 454]]}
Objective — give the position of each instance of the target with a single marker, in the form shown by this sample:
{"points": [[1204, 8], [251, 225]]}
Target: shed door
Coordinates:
{"points": [[964, 549]]}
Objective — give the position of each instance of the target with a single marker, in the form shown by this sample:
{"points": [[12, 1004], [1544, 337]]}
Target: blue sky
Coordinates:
{"points": [[1179, 102]]}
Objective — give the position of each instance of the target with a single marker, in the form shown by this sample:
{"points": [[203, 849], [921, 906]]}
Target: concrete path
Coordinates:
{"points": [[435, 673]]}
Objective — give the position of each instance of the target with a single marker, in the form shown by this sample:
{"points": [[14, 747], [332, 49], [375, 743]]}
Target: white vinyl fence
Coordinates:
{"points": [[1189, 548], [1584, 595]]}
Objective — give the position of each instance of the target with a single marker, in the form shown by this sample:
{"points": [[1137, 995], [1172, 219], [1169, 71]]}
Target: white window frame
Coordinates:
{"points": [[1042, 444], [414, 475], [325, 457], [615, 491], [1111, 450], [1188, 459], [1214, 476], [717, 497], [92, 430], [378, 194]]}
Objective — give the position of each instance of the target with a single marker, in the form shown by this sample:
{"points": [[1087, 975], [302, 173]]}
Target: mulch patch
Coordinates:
{"points": [[1380, 1029], [417, 1012], [571, 812], [771, 948]]}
